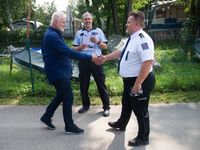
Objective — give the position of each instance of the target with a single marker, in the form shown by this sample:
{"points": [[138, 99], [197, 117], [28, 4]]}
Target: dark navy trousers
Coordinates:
{"points": [[86, 68], [139, 105], [63, 94]]}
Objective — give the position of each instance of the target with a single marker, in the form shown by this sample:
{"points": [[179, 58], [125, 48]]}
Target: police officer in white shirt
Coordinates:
{"points": [[135, 67], [91, 40]]}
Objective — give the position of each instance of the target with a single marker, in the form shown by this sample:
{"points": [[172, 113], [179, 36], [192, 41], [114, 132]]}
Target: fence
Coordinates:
{"points": [[18, 44], [15, 54], [21, 76], [15, 65]]}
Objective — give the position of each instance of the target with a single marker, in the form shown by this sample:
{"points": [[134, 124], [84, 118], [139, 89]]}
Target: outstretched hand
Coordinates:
{"points": [[103, 58], [96, 60]]}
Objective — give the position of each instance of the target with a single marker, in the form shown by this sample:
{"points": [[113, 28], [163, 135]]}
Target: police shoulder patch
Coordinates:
{"points": [[145, 46], [141, 35]]}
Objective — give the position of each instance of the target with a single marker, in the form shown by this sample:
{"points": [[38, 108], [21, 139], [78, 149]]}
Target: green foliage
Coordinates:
{"points": [[8, 36], [178, 77], [175, 56], [20, 35], [180, 72], [14, 9], [175, 50], [187, 35], [102, 9], [175, 97], [39, 33], [168, 44], [179, 81], [141, 5], [113, 80], [69, 42]]}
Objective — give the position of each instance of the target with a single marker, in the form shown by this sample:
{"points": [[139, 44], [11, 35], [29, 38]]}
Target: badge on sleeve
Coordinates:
{"points": [[145, 46]]}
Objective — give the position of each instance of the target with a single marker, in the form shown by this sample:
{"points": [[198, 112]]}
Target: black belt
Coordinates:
{"points": [[132, 78], [129, 78]]}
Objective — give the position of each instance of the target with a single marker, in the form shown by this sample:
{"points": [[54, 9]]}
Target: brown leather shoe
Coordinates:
{"points": [[116, 125]]}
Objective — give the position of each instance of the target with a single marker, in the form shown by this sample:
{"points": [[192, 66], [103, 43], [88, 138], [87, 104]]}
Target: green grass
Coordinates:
{"points": [[179, 81], [156, 97]]}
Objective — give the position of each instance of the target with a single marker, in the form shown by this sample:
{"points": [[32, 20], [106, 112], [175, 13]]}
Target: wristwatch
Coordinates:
{"points": [[98, 42]]}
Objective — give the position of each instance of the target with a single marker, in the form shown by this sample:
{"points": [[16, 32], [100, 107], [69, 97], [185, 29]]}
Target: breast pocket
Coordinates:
{"points": [[129, 55]]}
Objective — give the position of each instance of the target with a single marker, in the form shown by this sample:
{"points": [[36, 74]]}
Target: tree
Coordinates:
{"points": [[115, 16], [128, 8], [193, 9], [112, 14], [12, 10], [44, 12]]}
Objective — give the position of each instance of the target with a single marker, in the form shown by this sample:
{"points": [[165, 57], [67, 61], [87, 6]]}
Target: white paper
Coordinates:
{"points": [[90, 45]]}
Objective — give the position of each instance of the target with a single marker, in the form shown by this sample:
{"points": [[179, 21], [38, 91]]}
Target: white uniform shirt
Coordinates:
{"points": [[140, 49], [83, 37]]}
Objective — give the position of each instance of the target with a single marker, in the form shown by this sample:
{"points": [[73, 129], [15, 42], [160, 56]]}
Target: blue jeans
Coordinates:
{"points": [[63, 94]]}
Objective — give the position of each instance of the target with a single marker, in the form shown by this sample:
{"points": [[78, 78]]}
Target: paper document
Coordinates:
{"points": [[90, 45]]}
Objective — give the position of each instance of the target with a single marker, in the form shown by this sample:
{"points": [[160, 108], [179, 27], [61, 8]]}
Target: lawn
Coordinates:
{"points": [[179, 81]]}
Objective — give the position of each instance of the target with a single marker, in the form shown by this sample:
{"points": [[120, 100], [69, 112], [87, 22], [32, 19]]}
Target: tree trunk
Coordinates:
{"points": [[128, 8], [95, 6], [194, 11], [197, 15], [87, 3], [115, 17], [9, 18], [108, 26]]}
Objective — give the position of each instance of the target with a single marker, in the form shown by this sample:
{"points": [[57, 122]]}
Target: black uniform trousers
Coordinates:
{"points": [[86, 68], [138, 104]]}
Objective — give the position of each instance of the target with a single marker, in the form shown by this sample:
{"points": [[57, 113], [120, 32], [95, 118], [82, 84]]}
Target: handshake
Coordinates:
{"points": [[98, 60]]}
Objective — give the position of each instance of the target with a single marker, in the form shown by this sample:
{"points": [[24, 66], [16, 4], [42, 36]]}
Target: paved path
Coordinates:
{"points": [[173, 127]]}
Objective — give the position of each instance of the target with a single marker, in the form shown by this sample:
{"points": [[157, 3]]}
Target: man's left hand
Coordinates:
{"points": [[94, 40]]}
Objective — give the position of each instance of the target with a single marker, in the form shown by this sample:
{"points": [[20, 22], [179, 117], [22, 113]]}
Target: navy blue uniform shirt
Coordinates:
{"points": [[57, 56]]}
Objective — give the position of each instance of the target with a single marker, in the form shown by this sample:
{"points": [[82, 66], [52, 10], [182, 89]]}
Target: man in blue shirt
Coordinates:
{"points": [[57, 64], [90, 40]]}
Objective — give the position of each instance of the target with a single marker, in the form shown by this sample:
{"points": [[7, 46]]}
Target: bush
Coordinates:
{"points": [[20, 34]]}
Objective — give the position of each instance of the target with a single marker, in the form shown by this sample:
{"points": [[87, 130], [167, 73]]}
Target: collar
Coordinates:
{"points": [[55, 30], [93, 28]]}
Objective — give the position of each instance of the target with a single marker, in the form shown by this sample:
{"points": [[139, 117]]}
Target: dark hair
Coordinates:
{"points": [[139, 17]]}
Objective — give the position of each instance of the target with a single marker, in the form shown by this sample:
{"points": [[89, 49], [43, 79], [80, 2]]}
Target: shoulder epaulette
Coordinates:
{"points": [[141, 35]]}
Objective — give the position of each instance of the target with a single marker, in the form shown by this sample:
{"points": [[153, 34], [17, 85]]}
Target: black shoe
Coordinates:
{"points": [[106, 113], [48, 123], [137, 142], [82, 110], [116, 125], [73, 130]]}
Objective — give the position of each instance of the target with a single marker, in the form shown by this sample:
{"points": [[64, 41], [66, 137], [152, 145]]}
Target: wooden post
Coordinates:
{"points": [[28, 45]]}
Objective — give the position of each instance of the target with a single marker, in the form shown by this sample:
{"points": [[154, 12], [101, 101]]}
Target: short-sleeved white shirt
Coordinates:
{"points": [[140, 49], [83, 33]]}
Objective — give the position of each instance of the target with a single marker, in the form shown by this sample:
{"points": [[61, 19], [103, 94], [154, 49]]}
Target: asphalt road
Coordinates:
{"points": [[173, 127]]}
